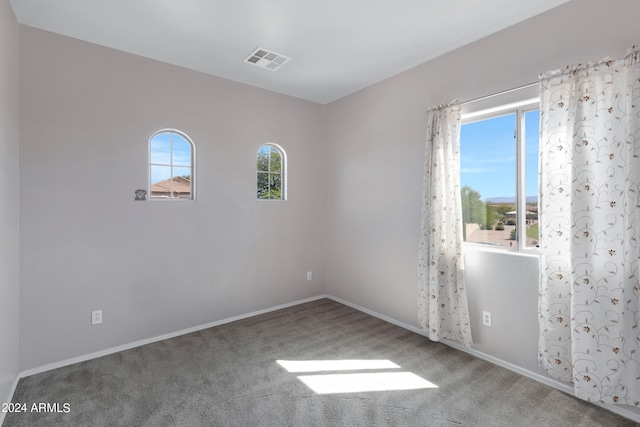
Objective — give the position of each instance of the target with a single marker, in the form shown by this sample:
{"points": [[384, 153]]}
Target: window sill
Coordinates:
{"points": [[176, 200], [529, 252]]}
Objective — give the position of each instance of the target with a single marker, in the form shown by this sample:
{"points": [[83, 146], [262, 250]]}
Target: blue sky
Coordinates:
{"points": [[163, 146], [488, 156]]}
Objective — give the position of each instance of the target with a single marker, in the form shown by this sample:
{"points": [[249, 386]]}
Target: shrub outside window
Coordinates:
{"points": [[171, 165]]}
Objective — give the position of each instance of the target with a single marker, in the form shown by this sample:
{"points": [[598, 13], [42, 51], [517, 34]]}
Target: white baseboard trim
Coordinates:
{"points": [[12, 390], [107, 351], [620, 410]]}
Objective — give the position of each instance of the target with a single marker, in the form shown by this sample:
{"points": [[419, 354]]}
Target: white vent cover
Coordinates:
{"points": [[266, 59]]}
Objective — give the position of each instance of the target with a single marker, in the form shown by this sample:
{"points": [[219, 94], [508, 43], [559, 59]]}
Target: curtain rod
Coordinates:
{"points": [[481, 98]]}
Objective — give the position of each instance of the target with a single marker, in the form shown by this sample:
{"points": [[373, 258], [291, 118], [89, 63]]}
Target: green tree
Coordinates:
{"points": [[475, 211], [501, 211], [269, 179]]}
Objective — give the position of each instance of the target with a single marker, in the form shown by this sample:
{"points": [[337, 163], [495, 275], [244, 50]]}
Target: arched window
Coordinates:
{"points": [[272, 179], [171, 165]]}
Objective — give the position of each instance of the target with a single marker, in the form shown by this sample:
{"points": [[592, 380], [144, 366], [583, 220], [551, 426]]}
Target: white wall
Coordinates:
{"points": [[153, 267], [377, 137], [9, 199]]}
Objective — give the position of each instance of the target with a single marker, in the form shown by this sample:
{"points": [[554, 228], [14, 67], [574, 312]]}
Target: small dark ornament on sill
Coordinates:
{"points": [[141, 194]]}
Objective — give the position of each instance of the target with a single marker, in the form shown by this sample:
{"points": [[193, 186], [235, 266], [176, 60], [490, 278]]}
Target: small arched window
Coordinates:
{"points": [[171, 165], [272, 179]]}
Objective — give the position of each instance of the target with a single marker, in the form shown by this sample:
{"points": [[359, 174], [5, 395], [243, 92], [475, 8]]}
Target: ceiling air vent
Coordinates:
{"points": [[264, 58]]}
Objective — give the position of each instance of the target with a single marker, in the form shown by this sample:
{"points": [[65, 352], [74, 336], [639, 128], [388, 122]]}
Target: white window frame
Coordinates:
{"points": [[518, 102], [283, 173], [193, 164]]}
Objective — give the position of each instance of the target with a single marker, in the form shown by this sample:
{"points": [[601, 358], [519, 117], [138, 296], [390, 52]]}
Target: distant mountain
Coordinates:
{"points": [[512, 200]]}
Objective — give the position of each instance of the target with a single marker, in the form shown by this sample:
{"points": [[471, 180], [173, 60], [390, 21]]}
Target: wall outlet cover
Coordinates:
{"points": [[96, 317], [486, 318]]}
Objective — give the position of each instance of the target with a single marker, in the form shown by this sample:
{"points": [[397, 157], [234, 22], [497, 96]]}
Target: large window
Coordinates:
{"points": [[499, 176], [271, 178], [171, 165]]}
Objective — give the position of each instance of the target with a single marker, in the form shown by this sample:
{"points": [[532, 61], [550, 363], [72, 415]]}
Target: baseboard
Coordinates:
{"points": [[9, 398], [105, 352], [620, 410]]}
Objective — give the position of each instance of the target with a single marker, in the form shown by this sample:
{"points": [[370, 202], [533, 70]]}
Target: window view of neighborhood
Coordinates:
{"points": [[171, 166], [488, 176], [176, 187]]}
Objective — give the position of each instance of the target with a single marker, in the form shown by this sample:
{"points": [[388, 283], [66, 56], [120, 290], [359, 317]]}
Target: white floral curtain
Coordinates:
{"points": [[442, 296], [589, 210]]}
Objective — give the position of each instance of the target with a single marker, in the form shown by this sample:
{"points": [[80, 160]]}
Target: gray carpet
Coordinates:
{"points": [[228, 376]]}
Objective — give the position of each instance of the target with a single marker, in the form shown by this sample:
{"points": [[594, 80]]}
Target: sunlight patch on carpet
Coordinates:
{"points": [[353, 383], [356, 381], [335, 365]]}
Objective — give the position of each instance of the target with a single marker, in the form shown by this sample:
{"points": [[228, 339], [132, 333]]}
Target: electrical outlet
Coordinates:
{"points": [[486, 318], [96, 317], [309, 275]]}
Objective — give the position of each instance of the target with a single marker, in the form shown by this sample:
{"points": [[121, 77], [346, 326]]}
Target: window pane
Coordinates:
{"points": [[160, 173], [161, 149], [263, 185], [181, 151], [532, 135], [182, 182], [179, 171], [160, 181], [275, 184], [488, 180], [276, 160], [263, 158]]}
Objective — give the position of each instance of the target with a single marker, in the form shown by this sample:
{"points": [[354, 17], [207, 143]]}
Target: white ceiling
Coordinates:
{"points": [[337, 46]]}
